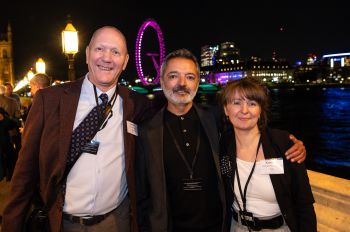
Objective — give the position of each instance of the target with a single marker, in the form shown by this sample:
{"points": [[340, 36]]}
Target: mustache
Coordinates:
{"points": [[180, 88]]}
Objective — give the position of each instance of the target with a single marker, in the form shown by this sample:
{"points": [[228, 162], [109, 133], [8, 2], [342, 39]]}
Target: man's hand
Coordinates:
{"points": [[297, 153]]}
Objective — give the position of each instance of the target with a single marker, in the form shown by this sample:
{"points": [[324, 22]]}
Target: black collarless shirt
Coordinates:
{"points": [[190, 210]]}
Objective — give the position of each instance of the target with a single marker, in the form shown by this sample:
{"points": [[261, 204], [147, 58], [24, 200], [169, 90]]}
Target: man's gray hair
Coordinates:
{"points": [[41, 79], [180, 53]]}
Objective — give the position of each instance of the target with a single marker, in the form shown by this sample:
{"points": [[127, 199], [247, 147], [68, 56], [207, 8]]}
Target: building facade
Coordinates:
{"points": [[6, 57], [230, 66]]}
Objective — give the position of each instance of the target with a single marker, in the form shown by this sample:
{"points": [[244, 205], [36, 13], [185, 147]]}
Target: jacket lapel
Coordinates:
{"points": [[278, 181], [209, 124], [210, 129], [128, 113], [67, 110], [154, 139]]}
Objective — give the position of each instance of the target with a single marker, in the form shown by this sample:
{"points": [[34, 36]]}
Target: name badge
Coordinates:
{"points": [[194, 184], [91, 147], [270, 166], [131, 128]]}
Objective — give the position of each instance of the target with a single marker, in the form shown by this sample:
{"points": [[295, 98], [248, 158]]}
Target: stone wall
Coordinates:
{"points": [[332, 196]]}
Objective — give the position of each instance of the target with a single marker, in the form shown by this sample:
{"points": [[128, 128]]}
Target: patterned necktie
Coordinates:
{"points": [[86, 130]]}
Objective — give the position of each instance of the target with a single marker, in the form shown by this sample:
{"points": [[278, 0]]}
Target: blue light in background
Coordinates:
{"points": [[335, 128]]}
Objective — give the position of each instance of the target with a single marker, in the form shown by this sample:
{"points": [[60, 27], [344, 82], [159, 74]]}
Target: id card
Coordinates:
{"points": [[131, 128], [194, 184], [270, 166], [91, 147]]}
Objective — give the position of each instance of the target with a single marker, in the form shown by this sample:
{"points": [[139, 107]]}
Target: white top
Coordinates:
{"points": [[261, 198], [97, 183]]}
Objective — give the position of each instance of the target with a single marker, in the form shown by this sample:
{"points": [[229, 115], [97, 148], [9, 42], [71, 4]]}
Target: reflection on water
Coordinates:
{"points": [[320, 117], [335, 131]]}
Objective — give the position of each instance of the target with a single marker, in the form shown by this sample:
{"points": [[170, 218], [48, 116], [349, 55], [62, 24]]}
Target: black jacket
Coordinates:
{"points": [[292, 189], [153, 209]]}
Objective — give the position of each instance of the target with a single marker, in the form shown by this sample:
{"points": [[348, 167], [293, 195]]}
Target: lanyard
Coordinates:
{"points": [[189, 168], [243, 196], [108, 109]]}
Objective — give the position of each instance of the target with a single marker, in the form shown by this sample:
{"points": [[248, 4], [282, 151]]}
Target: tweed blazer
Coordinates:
{"points": [[46, 141]]}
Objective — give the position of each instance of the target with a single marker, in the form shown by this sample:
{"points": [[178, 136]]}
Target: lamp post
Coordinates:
{"points": [[40, 66], [70, 47]]}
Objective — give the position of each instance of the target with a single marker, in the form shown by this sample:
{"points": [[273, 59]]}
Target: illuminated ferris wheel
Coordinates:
{"points": [[138, 51]]}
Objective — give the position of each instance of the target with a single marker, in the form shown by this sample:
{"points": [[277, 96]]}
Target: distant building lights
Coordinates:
{"points": [[30, 74], [21, 84], [337, 54]]}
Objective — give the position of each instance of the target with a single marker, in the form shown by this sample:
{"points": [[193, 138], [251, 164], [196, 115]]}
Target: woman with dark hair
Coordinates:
{"points": [[265, 191]]}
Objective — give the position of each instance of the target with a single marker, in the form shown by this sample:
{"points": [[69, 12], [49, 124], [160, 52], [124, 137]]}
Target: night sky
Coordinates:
{"points": [[293, 30]]}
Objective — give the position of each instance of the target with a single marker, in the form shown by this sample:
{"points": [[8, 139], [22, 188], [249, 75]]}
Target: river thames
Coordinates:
{"points": [[319, 116]]}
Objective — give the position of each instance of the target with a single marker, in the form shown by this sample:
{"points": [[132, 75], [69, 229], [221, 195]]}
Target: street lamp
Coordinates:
{"points": [[40, 66], [70, 47]]}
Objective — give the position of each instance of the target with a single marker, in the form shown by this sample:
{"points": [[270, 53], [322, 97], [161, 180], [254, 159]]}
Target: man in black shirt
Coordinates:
{"points": [[180, 188]]}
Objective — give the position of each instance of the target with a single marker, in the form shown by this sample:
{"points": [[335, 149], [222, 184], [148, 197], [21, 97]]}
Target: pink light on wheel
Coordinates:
{"points": [[157, 63]]}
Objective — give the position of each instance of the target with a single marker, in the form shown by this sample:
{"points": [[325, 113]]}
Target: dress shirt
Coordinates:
{"points": [[97, 183]]}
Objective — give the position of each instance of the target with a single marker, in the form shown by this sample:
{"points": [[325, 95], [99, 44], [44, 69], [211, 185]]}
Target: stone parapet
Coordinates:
{"points": [[332, 197]]}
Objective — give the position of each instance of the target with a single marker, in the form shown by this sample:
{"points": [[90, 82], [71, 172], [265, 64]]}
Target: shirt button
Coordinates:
{"points": [[182, 118], [184, 130], [187, 144]]}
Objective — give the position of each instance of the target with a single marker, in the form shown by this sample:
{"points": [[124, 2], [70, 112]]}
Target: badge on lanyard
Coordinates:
{"points": [[91, 147], [270, 166], [193, 184]]}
